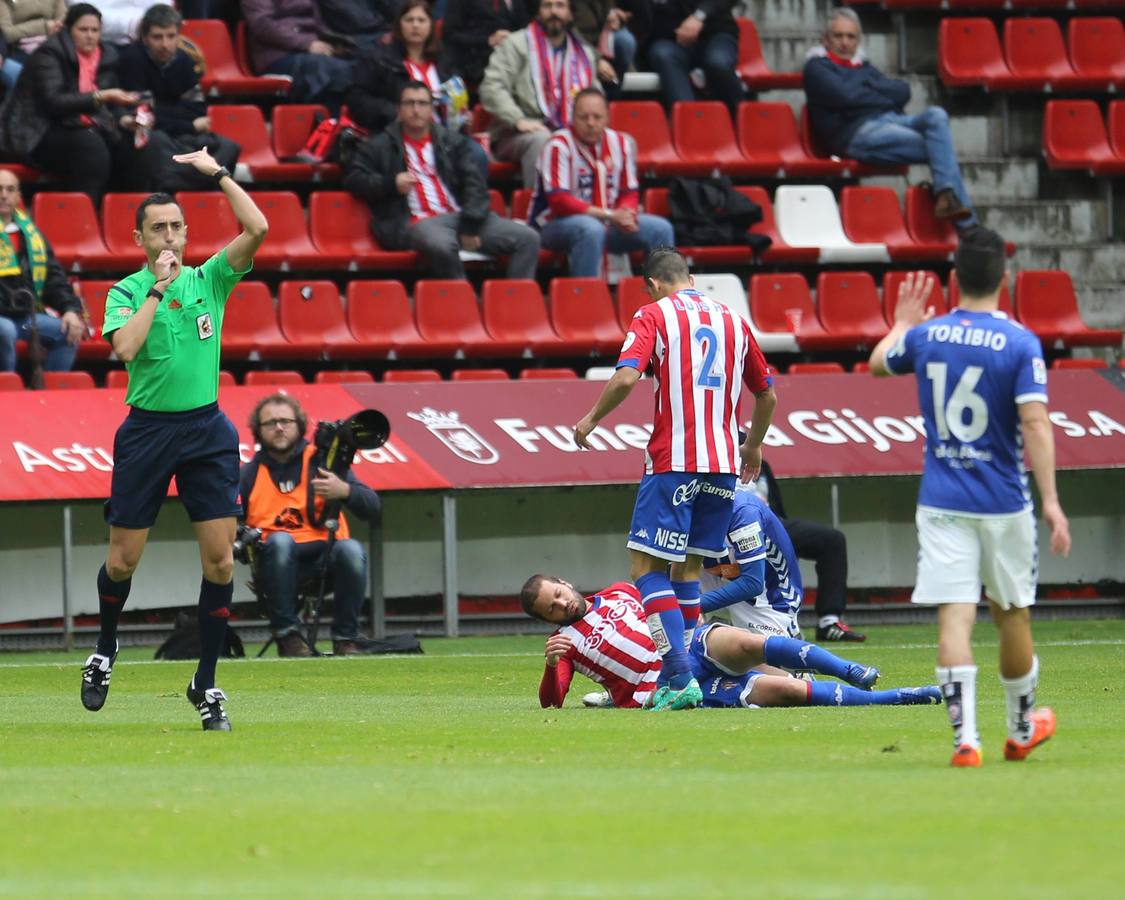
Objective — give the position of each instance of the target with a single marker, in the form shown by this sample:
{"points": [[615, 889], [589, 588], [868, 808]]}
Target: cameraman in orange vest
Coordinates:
{"points": [[274, 487]]}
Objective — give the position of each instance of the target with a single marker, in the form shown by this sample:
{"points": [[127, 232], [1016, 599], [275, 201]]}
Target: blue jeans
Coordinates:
{"points": [[316, 78], [585, 240], [285, 565], [9, 72], [896, 138], [60, 354], [717, 57], [624, 52]]}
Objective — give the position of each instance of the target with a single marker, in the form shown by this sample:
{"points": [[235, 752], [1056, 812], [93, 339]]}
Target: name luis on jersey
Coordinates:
{"points": [[967, 336]]}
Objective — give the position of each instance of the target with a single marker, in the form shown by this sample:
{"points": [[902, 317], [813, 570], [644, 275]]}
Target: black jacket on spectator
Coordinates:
{"points": [[467, 27], [57, 292], [840, 99], [362, 20], [654, 21], [176, 95], [47, 93], [371, 178], [380, 75]]}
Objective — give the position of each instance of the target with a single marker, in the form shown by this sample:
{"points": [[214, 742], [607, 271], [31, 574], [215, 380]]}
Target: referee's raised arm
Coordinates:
{"points": [[255, 227]]}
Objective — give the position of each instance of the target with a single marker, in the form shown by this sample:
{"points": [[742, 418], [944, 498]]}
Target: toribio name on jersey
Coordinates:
{"points": [[967, 336]]}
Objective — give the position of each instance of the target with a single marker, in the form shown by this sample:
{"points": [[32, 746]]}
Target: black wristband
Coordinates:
{"points": [[223, 172], [153, 292]]}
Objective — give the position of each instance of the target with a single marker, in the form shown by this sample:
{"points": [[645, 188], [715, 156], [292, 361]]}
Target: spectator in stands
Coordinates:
{"points": [[156, 64], [602, 24], [357, 24], [274, 486], [27, 263], [25, 26], [586, 200], [858, 112], [426, 192], [284, 38], [530, 84], [828, 548], [120, 19], [67, 114], [686, 35], [474, 28]]}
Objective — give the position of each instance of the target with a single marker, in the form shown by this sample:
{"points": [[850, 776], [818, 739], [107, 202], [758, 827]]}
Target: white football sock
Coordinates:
{"points": [[959, 688], [1020, 694], [825, 621]]}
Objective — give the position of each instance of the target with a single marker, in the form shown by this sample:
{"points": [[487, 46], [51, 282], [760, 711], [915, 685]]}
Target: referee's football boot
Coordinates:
{"points": [[210, 706], [838, 631], [95, 679], [861, 676]]}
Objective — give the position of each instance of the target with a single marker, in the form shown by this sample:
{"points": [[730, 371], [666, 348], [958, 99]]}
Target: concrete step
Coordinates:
{"points": [[990, 179], [770, 15], [1036, 221], [1089, 263], [1102, 304]]}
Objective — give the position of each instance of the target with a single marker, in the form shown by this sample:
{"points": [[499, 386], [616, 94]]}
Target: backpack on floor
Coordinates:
{"points": [[183, 642]]}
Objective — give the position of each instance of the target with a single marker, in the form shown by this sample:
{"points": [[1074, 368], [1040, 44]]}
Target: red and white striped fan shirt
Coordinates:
{"points": [[430, 196], [702, 352], [604, 175], [611, 645]]}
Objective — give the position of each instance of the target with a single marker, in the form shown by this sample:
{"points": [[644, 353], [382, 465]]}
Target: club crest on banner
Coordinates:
{"points": [[458, 436]]}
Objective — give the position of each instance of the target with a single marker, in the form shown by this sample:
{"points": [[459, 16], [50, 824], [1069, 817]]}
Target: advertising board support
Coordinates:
{"points": [[449, 562], [375, 579], [67, 559]]}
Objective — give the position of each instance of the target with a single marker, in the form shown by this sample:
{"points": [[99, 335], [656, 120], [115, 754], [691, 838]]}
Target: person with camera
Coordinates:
{"points": [[31, 280], [275, 487]]}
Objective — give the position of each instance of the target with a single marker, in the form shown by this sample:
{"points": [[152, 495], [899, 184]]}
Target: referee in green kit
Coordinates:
{"points": [[165, 322]]}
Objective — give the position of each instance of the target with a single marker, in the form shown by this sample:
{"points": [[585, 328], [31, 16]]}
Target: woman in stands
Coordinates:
{"points": [[67, 114]]}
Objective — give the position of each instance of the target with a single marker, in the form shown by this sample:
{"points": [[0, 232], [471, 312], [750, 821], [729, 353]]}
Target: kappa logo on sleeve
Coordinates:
{"points": [[204, 326], [748, 537]]}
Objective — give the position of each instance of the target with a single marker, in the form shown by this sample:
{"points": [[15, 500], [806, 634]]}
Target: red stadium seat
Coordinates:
{"points": [[924, 226], [68, 381], [849, 306], [647, 122], [119, 221], [555, 374], [770, 140], [1004, 306], [226, 379], [1079, 364], [816, 368], [631, 296], [1097, 50], [872, 215], [752, 66], [1037, 57], [70, 224], [10, 381], [93, 295], [861, 367], [1046, 304], [379, 315], [480, 375], [480, 121], [779, 251], [288, 247], [312, 319], [341, 224], [1074, 137], [262, 378], [246, 126], [336, 376], [447, 311], [969, 54], [211, 224], [891, 282], [1115, 125], [223, 74], [290, 127], [582, 311], [411, 375], [116, 378], [496, 202], [777, 302], [514, 312], [250, 327], [703, 134]]}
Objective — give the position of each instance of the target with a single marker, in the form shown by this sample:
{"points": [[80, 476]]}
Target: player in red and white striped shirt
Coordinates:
{"points": [[701, 353]]}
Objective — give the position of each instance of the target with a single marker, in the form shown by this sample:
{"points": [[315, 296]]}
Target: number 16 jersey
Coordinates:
{"points": [[702, 352], [974, 369]]}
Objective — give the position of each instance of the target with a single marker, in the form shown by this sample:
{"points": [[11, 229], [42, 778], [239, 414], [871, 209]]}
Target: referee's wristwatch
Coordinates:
{"points": [[223, 172]]}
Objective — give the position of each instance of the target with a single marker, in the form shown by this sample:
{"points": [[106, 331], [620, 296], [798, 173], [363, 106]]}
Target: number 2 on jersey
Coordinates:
{"points": [[709, 344], [949, 417]]}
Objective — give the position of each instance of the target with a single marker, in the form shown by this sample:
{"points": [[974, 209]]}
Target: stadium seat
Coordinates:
{"points": [[226, 379], [822, 156], [1004, 306], [1046, 303], [1074, 137], [119, 221], [807, 216], [480, 121], [263, 378], [727, 289], [250, 329], [496, 201], [891, 281], [849, 306], [379, 315], [924, 226], [245, 125], [551, 374], [781, 304], [752, 66], [969, 54], [290, 127], [340, 224], [703, 134], [600, 373], [631, 296], [1115, 125], [513, 311], [771, 143], [1037, 57], [10, 381], [211, 224], [861, 368], [93, 296], [70, 224], [117, 378], [1097, 50], [816, 368], [647, 122], [581, 310], [480, 375], [68, 381], [403, 376], [1065, 363], [655, 202], [872, 215], [223, 76], [312, 320], [778, 251], [287, 246], [447, 311], [337, 376]]}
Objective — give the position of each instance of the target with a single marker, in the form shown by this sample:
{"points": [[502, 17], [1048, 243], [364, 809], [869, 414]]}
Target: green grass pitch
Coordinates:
{"points": [[440, 776]]}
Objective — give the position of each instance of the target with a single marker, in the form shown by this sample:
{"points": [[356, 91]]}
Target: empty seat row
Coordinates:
{"points": [[969, 5], [1075, 136], [227, 63], [1034, 56]]}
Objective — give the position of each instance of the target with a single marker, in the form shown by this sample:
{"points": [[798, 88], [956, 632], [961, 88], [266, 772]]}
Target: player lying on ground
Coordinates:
{"points": [[605, 637]]}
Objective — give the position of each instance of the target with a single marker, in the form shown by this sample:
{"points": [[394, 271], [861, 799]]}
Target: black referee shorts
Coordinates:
{"points": [[199, 447]]}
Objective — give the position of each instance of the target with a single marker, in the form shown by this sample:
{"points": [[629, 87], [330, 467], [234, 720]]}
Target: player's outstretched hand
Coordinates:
{"points": [[166, 268], [582, 431], [913, 293], [751, 462], [1060, 528], [203, 162], [557, 647]]}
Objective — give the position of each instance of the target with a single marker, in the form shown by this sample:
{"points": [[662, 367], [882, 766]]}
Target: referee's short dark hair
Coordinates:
{"points": [[157, 199], [666, 264], [979, 262], [254, 422]]}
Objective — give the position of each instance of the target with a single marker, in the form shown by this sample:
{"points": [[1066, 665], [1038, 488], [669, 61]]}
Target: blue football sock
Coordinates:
{"points": [[214, 610], [666, 624], [790, 653], [826, 693], [111, 598]]}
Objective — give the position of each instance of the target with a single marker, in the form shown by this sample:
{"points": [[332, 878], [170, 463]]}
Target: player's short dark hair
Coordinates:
{"points": [[159, 15], [79, 10], [415, 85], [666, 264], [588, 92], [530, 592], [157, 199], [979, 262], [254, 421]]}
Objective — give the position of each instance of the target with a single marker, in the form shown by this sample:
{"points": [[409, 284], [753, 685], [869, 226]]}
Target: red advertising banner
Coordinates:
{"points": [[58, 445]]}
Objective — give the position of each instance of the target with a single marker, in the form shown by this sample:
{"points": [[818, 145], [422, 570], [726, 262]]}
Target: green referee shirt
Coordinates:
{"points": [[177, 367]]}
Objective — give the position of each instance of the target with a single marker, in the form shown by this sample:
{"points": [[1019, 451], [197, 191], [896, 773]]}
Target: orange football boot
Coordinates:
{"points": [[966, 757], [1043, 722]]}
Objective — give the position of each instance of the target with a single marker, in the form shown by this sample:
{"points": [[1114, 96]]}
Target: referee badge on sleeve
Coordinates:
{"points": [[204, 327]]}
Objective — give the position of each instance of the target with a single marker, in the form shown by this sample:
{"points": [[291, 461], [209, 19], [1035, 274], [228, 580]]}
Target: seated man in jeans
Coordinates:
{"points": [[857, 112], [274, 487], [585, 203]]}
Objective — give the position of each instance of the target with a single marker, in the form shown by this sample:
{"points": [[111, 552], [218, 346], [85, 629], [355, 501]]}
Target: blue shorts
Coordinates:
{"points": [[720, 687], [681, 513], [198, 446]]}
